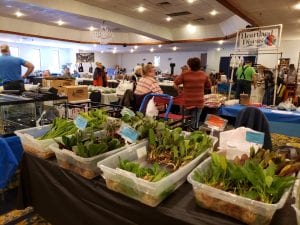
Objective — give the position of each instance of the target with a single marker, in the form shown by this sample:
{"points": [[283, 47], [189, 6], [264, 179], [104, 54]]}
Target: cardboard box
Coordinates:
{"points": [[76, 93], [58, 84]]}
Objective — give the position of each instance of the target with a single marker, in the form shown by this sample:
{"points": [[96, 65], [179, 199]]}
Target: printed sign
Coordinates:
{"points": [[128, 133], [80, 122], [259, 37], [255, 137], [215, 122]]}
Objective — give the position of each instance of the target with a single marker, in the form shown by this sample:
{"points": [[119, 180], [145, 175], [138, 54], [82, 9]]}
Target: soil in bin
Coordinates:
{"points": [[38, 152], [240, 213], [88, 174]]}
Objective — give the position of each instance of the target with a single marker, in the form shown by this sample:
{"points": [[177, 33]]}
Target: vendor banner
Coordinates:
{"points": [[85, 57], [267, 37]]}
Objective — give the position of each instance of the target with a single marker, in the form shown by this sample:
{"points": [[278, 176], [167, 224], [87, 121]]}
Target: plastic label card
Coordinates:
{"points": [[255, 137], [80, 122], [128, 133], [126, 111]]}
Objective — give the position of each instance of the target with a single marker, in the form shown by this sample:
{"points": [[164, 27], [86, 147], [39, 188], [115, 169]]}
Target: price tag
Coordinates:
{"points": [[141, 152], [126, 111], [128, 133], [215, 122], [80, 122], [255, 137]]}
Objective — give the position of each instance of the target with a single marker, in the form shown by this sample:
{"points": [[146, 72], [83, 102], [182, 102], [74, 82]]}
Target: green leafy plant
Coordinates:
{"points": [[253, 178], [152, 174], [96, 118]]}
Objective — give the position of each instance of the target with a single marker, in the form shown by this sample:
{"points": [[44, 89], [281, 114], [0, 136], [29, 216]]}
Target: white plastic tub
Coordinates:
{"points": [[32, 145], [296, 194], [86, 167], [149, 193], [244, 209]]}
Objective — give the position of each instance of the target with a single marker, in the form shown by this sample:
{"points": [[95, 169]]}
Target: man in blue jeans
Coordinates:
{"points": [[11, 70]]}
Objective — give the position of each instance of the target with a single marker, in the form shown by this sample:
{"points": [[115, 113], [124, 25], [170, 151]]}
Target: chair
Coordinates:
{"points": [[95, 98], [253, 118]]}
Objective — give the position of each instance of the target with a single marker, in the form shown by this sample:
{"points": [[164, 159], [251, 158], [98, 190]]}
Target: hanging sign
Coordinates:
{"points": [[267, 37]]}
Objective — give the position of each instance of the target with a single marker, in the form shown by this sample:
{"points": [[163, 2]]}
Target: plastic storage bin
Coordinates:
{"points": [[296, 194], [86, 167], [30, 144], [149, 193], [244, 209]]}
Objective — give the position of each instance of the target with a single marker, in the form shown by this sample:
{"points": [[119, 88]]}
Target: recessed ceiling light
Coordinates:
{"points": [[102, 51], [19, 14], [168, 18], [213, 12], [131, 50], [91, 28], [94, 45], [60, 22], [190, 1], [115, 48], [159, 46], [136, 47], [141, 9], [297, 6], [221, 42], [21, 39], [114, 51], [151, 49], [191, 28], [174, 48], [218, 49], [8, 6]]}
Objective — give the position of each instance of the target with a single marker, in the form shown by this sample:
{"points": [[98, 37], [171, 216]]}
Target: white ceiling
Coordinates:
{"points": [[12, 40], [156, 14], [270, 12]]}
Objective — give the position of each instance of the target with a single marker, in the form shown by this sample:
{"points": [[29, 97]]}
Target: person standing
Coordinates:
{"points": [[246, 75], [99, 78], [194, 83], [11, 70], [291, 74]]}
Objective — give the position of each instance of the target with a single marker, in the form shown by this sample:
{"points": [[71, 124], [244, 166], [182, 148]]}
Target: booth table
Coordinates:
{"points": [[62, 197], [280, 121]]}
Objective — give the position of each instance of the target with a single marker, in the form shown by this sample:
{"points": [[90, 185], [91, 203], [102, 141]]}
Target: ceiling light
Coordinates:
{"points": [[114, 51], [297, 6], [136, 47], [213, 12], [218, 49], [141, 9], [102, 51], [151, 49], [60, 22], [159, 46], [94, 45], [221, 42], [191, 28], [115, 48], [190, 1], [21, 39], [91, 28], [131, 50], [8, 6], [19, 14], [174, 48], [168, 18], [104, 34]]}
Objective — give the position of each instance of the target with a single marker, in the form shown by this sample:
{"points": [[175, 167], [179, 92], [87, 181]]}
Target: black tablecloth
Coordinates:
{"points": [[64, 198]]}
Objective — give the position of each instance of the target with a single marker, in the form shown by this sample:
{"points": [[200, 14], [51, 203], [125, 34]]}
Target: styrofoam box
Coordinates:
{"points": [[149, 193], [244, 209], [37, 147], [86, 167]]}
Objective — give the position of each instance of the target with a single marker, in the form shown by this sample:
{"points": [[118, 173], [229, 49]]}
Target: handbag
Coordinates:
{"points": [[123, 86], [91, 69], [80, 68]]}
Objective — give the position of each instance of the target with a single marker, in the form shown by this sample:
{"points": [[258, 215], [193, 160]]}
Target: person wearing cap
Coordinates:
{"points": [[99, 77], [11, 70]]}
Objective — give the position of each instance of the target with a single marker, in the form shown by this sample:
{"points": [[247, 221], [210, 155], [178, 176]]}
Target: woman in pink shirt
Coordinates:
{"points": [[148, 83]]}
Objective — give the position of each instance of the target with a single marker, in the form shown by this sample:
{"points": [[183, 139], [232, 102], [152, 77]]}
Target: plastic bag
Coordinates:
{"points": [[151, 109], [123, 86]]}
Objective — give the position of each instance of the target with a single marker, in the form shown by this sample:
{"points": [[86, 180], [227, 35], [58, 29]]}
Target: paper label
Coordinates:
{"points": [[126, 111], [215, 122], [80, 122], [255, 137], [141, 152], [128, 133]]}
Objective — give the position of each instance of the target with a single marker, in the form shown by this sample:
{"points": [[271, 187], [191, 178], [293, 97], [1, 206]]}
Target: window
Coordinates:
{"points": [[156, 61], [35, 58], [14, 51], [54, 66]]}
